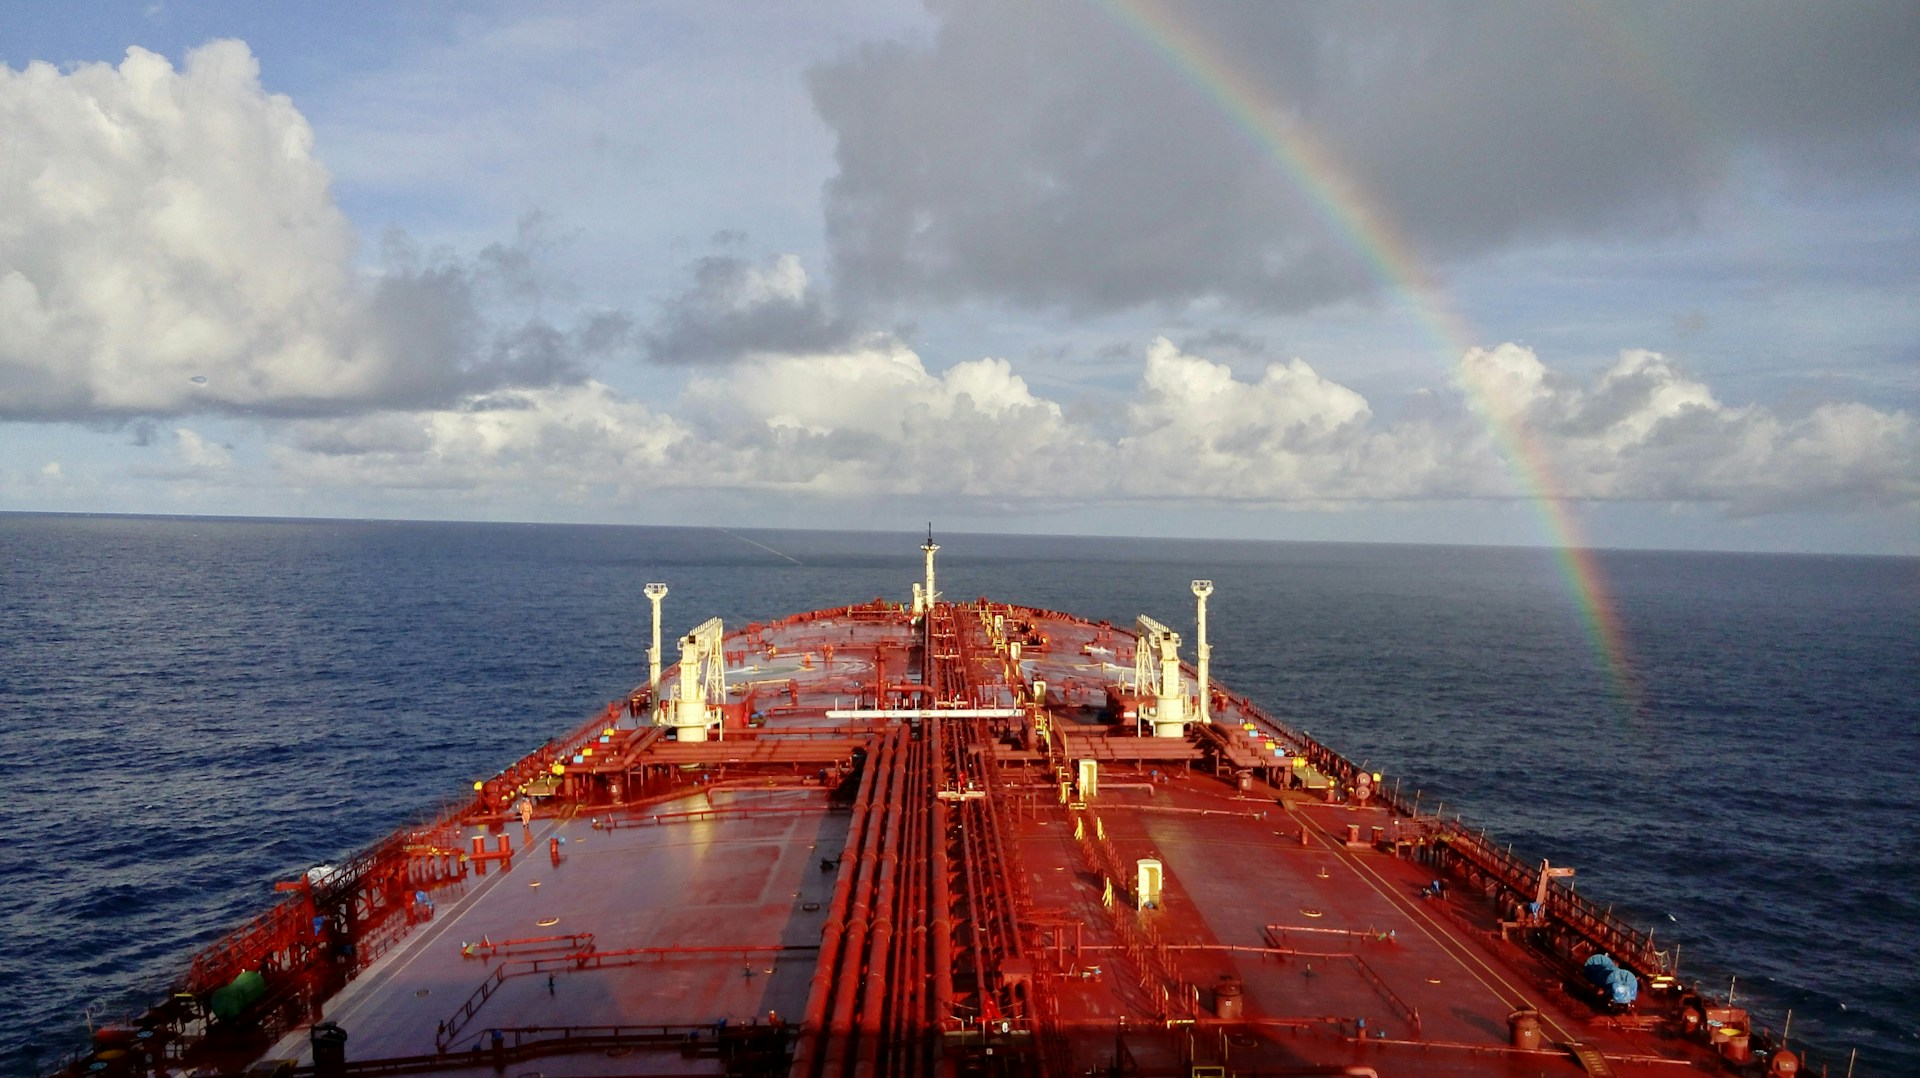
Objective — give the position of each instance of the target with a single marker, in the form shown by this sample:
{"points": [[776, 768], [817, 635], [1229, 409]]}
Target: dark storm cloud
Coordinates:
{"points": [[457, 326], [1056, 155], [1228, 341], [733, 308]]}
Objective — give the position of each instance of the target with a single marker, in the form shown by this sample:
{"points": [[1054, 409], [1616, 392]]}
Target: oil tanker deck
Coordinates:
{"points": [[939, 838]]}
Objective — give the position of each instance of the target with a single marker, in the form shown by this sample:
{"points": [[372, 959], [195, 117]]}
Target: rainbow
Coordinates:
{"points": [[1364, 226]]}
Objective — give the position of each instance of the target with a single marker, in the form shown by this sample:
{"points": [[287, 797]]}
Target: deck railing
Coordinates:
{"points": [[1598, 928]]}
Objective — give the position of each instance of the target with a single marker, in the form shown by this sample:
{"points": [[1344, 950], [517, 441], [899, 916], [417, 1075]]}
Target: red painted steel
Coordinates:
{"points": [[982, 914]]}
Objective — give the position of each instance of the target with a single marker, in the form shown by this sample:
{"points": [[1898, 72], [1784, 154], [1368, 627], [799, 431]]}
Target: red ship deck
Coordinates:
{"points": [[899, 854], [693, 919]]}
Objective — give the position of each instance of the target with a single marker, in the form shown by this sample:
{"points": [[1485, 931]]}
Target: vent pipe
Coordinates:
{"points": [[930, 546], [655, 592], [1202, 589]]}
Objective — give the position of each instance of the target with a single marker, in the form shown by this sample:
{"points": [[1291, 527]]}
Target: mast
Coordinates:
{"points": [[930, 546]]}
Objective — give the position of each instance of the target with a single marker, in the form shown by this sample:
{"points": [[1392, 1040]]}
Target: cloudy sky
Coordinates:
{"points": [[1621, 273]]}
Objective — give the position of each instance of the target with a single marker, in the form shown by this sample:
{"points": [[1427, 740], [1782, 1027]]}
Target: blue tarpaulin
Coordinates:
{"points": [[1623, 987], [1598, 969], [1620, 985]]}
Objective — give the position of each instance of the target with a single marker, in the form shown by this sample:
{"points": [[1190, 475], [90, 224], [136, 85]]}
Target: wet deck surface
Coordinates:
{"points": [[1342, 961], [1240, 886], [698, 885]]}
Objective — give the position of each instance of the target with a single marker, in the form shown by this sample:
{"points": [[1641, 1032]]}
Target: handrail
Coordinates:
{"points": [[1407, 1011], [450, 1028], [1600, 928]]}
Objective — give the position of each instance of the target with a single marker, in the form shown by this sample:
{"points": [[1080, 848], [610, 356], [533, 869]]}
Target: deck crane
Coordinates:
{"points": [[1547, 873], [1168, 714], [703, 684]]}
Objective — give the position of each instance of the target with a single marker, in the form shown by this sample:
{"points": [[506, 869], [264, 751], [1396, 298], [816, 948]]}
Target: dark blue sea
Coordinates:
{"points": [[194, 708]]}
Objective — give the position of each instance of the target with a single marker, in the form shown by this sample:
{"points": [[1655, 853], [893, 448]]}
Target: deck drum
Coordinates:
{"points": [[1228, 996], [1525, 1026]]}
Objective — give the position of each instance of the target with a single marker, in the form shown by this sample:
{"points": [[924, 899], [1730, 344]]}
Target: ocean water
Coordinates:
{"points": [[192, 709]]}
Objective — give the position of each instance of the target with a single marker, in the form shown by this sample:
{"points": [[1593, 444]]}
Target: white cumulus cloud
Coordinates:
{"points": [[169, 244], [572, 442], [198, 454], [191, 458], [1291, 435], [874, 423], [875, 420], [1646, 431]]}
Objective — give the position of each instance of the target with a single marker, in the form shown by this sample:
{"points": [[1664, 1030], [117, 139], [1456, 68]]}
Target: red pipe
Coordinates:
{"points": [[907, 1015], [905, 960], [880, 936], [977, 891], [841, 1011], [913, 1015], [941, 930], [813, 1023]]}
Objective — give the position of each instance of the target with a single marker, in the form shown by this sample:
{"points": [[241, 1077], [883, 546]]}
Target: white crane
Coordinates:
{"points": [[703, 684], [1169, 711]]}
